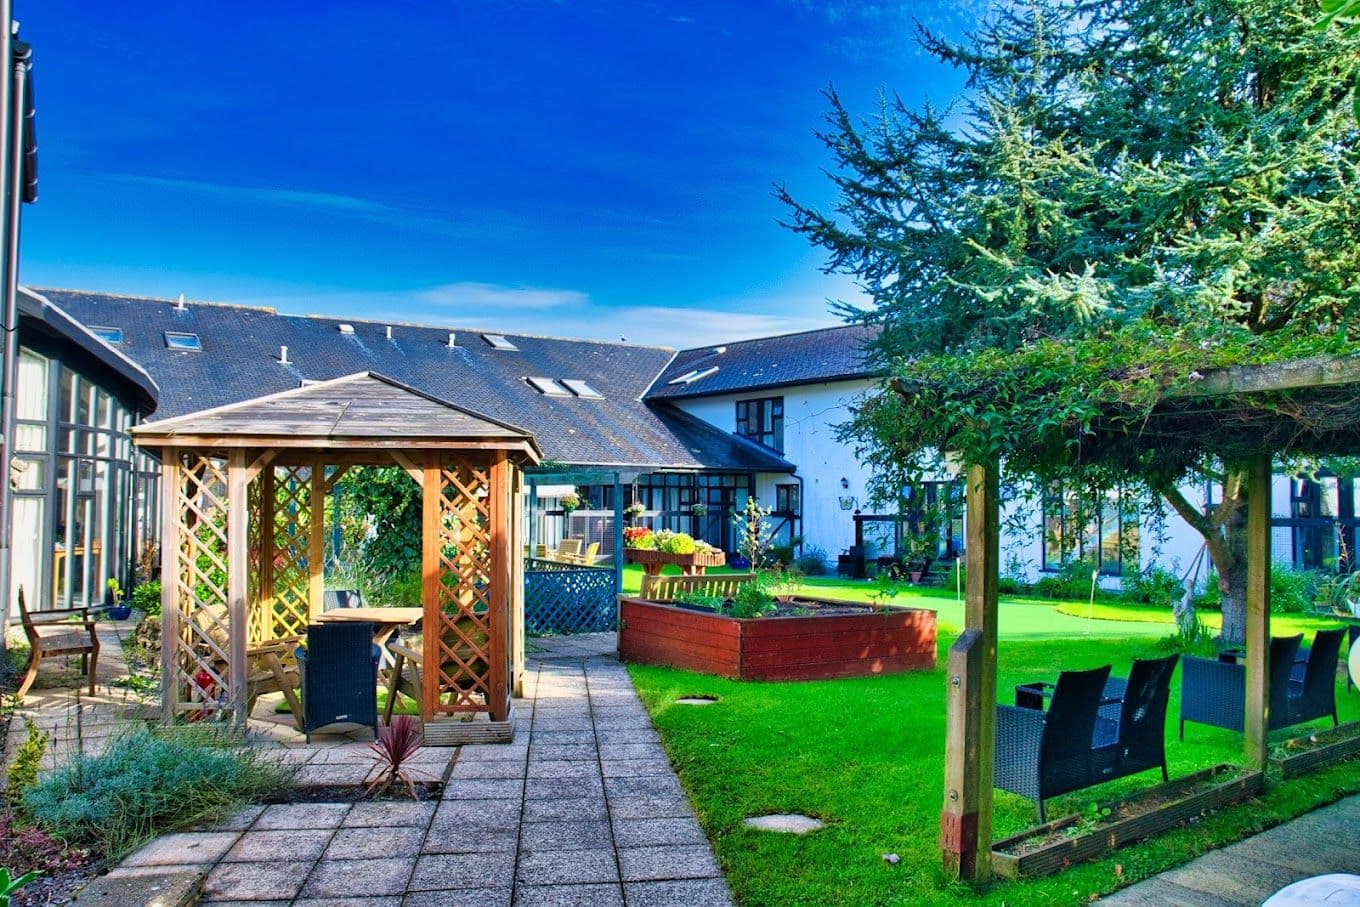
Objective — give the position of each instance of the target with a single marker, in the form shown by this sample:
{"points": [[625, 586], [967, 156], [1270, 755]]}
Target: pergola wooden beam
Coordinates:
{"points": [[1256, 721], [1297, 374]]}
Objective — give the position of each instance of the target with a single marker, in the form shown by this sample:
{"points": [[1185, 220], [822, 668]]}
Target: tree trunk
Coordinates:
{"points": [[1225, 537]]}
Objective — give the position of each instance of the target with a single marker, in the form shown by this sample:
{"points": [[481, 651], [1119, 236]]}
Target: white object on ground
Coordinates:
{"points": [[1334, 890], [789, 823]]}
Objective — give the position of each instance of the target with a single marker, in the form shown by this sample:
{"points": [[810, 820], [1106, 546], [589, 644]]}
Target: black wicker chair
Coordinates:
{"points": [[1214, 692], [1312, 682], [1043, 754], [1130, 736]]}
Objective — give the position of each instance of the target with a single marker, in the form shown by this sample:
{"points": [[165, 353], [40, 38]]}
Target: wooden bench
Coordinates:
{"points": [[52, 634], [718, 585]]}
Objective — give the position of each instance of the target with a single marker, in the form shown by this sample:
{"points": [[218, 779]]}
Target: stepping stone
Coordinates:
{"points": [[171, 889], [788, 823], [696, 700]]}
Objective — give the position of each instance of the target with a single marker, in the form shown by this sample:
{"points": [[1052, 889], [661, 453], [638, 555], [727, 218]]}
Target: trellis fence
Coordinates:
{"points": [[568, 598]]}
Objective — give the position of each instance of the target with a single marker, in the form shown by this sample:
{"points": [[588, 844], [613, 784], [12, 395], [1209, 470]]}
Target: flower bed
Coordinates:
{"points": [[1055, 845], [851, 641], [1313, 751]]}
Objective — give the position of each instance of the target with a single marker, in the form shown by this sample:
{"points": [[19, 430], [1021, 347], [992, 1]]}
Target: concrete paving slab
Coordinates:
{"points": [[689, 892], [342, 878], [301, 815], [256, 881], [481, 871], [607, 895], [460, 897], [188, 848], [374, 843], [656, 832], [579, 835], [646, 864], [566, 867], [272, 846]]}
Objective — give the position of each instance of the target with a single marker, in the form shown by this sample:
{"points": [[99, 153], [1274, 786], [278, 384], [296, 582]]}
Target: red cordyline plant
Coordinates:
{"points": [[397, 742]]}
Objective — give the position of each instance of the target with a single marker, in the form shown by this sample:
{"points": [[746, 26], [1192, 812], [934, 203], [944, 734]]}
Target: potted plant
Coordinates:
{"points": [[633, 511], [699, 510], [570, 502], [113, 600]]}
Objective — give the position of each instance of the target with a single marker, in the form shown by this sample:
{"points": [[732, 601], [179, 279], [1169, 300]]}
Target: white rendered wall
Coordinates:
{"points": [[811, 413]]}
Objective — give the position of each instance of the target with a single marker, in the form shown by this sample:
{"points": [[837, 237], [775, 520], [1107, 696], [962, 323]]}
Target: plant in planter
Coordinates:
{"points": [[699, 511], [570, 502], [634, 511], [750, 601], [754, 533], [639, 538], [669, 542], [113, 600]]}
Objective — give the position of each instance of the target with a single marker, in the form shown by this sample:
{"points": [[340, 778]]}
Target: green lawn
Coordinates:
{"points": [[867, 757]]}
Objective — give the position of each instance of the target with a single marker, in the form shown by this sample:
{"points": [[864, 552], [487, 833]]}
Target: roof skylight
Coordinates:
{"points": [[582, 389], [693, 375], [108, 335], [177, 340], [500, 342], [548, 387]]}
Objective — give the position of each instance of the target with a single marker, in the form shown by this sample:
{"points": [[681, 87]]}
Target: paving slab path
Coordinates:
{"points": [[1248, 872], [582, 809]]}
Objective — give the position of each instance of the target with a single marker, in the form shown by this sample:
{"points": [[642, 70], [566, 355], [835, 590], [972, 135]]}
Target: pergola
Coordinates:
{"points": [[243, 536], [1307, 406]]}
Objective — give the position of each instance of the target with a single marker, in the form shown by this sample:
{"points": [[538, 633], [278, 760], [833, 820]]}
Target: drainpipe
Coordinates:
{"points": [[11, 174]]}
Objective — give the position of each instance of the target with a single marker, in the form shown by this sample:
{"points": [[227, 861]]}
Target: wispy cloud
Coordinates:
{"points": [[474, 297], [267, 194]]}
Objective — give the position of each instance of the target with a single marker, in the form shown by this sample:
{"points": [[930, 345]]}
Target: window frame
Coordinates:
{"points": [[751, 418]]}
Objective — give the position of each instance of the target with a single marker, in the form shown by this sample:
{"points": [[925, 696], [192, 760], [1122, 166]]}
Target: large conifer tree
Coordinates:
{"points": [[1128, 188]]}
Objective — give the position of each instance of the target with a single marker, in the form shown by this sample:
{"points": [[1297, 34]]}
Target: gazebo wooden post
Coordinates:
{"points": [[266, 516], [1256, 723], [430, 570], [238, 560], [499, 511], [966, 820], [170, 529], [316, 532]]}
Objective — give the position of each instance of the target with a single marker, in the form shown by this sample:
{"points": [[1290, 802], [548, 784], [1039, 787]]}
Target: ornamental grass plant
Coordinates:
{"points": [[149, 782]]}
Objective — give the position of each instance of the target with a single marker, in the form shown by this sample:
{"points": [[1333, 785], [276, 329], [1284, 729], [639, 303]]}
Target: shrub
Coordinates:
{"points": [[812, 562], [146, 597], [780, 554], [957, 577], [1010, 585], [147, 783], [1293, 591], [674, 542], [28, 849], [1073, 580], [1192, 637], [750, 601], [1155, 586], [23, 772]]}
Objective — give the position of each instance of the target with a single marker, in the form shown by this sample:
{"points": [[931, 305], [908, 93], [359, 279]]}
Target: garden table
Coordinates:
{"points": [[386, 621]]}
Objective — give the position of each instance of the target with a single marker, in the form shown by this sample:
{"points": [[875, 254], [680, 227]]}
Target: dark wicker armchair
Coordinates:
{"points": [[1312, 682], [1214, 692], [1130, 736], [1043, 754]]}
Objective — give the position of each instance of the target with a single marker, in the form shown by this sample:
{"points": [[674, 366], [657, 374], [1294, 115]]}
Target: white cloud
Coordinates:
{"points": [[476, 297]]}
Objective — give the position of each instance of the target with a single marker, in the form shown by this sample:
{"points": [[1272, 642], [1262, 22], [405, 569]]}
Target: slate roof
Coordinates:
{"points": [[360, 407], [808, 357], [38, 317], [240, 360]]}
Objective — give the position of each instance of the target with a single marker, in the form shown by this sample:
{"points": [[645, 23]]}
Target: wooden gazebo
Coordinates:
{"points": [[1309, 406], [242, 545]]}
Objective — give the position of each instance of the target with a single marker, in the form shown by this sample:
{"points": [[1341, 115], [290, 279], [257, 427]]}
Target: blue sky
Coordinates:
{"points": [[581, 169]]}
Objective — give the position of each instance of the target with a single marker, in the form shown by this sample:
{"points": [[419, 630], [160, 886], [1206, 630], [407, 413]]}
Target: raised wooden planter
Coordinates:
{"points": [[777, 648], [1172, 803], [1333, 745], [653, 561]]}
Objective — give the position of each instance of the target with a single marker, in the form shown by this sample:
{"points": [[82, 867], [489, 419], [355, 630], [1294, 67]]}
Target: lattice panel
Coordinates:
{"points": [[202, 662], [292, 519], [254, 615], [565, 598], [464, 590]]}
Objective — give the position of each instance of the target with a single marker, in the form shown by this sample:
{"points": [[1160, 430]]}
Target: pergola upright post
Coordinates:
{"points": [[499, 586], [238, 561], [1256, 723], [316, 531], [966, 821], [170, 529]]}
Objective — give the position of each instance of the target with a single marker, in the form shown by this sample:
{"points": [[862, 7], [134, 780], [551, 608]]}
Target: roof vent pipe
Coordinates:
{"points": [[453, 339], [283, 355], [179, 306], [389, 332]]}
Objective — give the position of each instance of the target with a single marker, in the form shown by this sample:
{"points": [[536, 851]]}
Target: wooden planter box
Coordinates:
{"points": [[653, 561], [777, 648], [1333, 745], [1107, 836]]}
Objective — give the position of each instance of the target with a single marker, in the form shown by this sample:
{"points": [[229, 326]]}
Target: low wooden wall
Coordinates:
{"points": [[781, 648]]}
